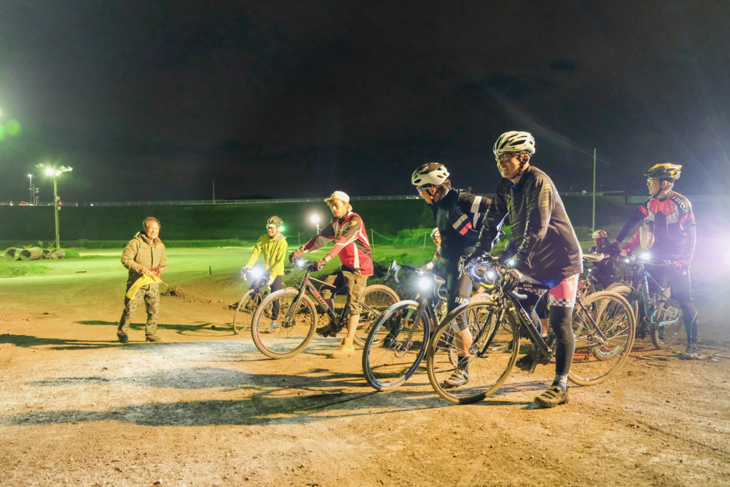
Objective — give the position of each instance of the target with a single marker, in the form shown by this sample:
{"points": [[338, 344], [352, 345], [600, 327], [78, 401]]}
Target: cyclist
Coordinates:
{"points": [[603, 270], [353, 248], [459, 216], [547, 247], [273, 246], [670, 231]]}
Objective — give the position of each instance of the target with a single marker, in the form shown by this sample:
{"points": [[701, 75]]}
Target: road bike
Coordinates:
{"points": [[603, 325], [297, 319]]}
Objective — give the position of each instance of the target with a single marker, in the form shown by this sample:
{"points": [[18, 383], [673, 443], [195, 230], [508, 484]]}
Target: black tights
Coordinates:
{"points": [[560, 321]]}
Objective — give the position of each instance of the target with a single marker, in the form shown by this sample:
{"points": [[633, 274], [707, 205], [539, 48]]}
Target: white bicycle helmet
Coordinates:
{"points": [[518, 142], [435, 233], [430, 174]]}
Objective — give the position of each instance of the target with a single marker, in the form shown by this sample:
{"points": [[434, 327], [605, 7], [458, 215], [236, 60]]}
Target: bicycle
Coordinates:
{"points": [[661, 315], [251, 299], [603, 324], [397, 343], [298, 317]]}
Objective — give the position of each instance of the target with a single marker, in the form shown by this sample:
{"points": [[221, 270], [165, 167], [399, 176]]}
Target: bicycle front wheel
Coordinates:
{"points": [[604, 328], [491, 356], [395, 346], [280, 330], [244, 312], [667, 324], [376, 299]]}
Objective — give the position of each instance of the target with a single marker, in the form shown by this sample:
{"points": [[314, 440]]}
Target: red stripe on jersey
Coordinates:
{"points": [[465, 229]]}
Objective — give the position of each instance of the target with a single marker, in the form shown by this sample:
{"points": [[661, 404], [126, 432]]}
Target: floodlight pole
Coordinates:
{"points": [[55, 207], [593, 225]]}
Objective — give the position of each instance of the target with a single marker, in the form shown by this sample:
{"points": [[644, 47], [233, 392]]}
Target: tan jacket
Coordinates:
{"points": [[140, 253]]}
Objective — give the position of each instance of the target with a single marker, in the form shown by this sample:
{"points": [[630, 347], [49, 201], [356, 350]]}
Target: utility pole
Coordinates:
{"points": [[214, 191], [55, 207], [593, 225], [32, 190]]}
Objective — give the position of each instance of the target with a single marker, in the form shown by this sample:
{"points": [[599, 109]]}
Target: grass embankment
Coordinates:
{"points": [[245, 222]]}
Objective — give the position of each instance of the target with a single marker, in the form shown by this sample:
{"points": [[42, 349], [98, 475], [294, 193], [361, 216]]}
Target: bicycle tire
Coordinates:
{"points": [[596, 359], [245, 310], [663, 339], [488, 373], [378, 299], [286, 339], [395, 346], [625, 291]]}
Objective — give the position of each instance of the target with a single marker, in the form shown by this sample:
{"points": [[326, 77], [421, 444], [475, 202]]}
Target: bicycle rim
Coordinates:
{"points": [[244, 313], [492, 354], [395, 346], [376, 299], [668, 323], [604, 331], [293, 329]]}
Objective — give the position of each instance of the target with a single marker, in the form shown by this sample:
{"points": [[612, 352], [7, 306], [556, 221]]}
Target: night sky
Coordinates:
{"points": [[152, 100]]}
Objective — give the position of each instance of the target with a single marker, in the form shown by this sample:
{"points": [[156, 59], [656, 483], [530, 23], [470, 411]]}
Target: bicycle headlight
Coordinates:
{"points": [[300, 263], [491, 275], [511, 262], [424, 283], [256, 272], [646, 256], [627, 260]]}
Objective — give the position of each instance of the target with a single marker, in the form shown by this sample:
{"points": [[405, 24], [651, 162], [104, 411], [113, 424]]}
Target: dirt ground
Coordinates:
{"points": [[205, 408]]}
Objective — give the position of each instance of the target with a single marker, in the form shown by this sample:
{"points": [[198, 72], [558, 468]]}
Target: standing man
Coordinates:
{"points": [[459, 215], [273, 246], [670, 231], [547, 247], [353, 248], [145, 255]]}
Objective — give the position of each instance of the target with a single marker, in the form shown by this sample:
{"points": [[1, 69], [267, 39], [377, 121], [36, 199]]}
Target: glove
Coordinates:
{"points": [[425, 268], [244, 271], [679, 265], [511, 279], [297, 254], [271, 281]]}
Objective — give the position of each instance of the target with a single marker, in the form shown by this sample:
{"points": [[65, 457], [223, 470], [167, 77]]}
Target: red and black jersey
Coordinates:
{"points": [[351, 243], [673, 224]]}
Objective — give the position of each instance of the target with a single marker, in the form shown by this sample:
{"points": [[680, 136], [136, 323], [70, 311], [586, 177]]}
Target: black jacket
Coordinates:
{"points": [[546, 243], [459, 216]]}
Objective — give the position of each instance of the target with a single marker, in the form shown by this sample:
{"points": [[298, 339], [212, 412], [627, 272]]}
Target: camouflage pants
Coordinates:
{"points": [[355, 284], [151, 295]]}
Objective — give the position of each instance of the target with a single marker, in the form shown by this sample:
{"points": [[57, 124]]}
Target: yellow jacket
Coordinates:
{"points": [[274, 250]]}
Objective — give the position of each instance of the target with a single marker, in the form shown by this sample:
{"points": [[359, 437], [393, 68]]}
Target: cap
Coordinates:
{"points": [[340, 195]]}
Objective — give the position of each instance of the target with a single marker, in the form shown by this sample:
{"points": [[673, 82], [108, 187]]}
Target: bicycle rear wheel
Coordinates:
{"points": [[604, 328], [244, 312], [395, 346], [376, 299], [492, 355], [292, 330], [667, 324]]}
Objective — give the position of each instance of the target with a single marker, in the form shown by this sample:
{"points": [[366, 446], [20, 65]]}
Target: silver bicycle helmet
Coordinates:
{"points": [[516, 142], [430, 174]]}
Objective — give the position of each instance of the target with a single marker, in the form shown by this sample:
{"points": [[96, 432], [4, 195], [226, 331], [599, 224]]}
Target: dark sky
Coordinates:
{"points": [[154, 99]]}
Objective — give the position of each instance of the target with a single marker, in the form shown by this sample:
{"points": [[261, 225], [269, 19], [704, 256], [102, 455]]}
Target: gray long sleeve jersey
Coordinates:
{"points": [[546, 243]]}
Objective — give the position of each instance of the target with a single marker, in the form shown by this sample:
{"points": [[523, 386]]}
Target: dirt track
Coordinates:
{"points": [[205, 408]]}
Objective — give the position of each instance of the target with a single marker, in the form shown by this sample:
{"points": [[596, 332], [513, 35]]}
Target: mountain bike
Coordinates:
{"points": [[603, 324], [661, 316], [251, 299], [298, 317]]}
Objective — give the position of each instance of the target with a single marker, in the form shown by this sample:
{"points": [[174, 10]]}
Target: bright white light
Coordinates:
{"points": [[314, 219], [30, 175], [424, 283], [627, 260], [50, 171], [646, 255], [590, 270], [491, 275], [281, 228], [511, 262], [256, 272], [300, 263]]}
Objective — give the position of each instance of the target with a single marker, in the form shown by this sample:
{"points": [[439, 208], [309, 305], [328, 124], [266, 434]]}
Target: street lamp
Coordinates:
{"points": [[31, 188], [315, 219], [55, 172]]}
